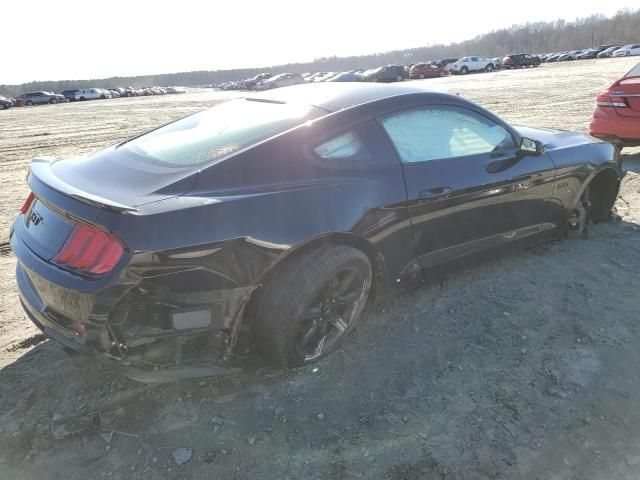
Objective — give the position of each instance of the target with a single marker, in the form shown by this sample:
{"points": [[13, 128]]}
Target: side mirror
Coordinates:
{"points": [[529, 146]]}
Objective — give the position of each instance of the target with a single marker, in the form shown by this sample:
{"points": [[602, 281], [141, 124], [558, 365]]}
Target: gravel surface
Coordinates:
{"points": [[522, 367]]}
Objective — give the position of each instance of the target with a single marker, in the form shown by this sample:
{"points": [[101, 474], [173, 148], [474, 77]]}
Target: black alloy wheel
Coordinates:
{"points": [[310, 304], [331, 314]]}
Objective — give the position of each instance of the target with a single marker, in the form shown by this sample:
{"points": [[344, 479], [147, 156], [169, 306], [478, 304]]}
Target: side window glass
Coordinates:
{"points": [[440, 132], [340, 147]]}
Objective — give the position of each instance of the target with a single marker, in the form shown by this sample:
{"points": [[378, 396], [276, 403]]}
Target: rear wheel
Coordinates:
{"points": [[29, 102], [421, 76], [54, 101], [309, 307], [489, 68]]}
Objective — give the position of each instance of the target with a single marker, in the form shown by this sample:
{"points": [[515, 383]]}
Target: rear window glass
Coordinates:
{"points": [[219, 131], [634, 72]]}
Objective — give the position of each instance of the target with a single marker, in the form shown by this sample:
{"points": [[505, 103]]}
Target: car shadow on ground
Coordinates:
{"points": [[517, 368]]}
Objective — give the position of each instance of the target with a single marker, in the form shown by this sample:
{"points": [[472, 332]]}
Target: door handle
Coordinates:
{"points": [[434, 194]]}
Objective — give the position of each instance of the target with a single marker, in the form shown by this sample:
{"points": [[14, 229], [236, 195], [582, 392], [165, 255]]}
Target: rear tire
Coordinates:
{"points": [[309, 306], [489, 68], [29, 102], [54, 101]]}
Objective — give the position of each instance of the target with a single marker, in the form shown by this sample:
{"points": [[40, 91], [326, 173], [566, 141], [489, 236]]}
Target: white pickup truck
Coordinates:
{"points": [[471, 64]]}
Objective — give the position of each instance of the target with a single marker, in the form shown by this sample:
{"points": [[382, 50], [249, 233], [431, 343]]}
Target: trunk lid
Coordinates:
{"points": [[115, 179], [62, 199]]}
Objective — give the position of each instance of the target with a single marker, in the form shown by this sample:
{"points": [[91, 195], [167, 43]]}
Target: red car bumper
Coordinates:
{"points": [[609, 125]]}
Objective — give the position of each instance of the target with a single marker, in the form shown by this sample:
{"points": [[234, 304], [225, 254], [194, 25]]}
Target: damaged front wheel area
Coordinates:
{"points": [[309, 307], [580, 220]]}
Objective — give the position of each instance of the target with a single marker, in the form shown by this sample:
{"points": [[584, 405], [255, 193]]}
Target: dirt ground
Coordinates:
{"points": [[524, 367]]}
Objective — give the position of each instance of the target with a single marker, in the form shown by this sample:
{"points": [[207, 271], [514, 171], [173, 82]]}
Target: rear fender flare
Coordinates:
{"points": [[335, 238], [312, 244]]}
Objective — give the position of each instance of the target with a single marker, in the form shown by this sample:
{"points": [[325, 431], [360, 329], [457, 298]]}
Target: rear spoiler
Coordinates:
{"points": [[40, 170]]}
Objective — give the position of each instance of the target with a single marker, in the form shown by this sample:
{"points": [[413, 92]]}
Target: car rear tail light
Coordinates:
{"points": [[27, 203], [607, 101], [90, 250]]}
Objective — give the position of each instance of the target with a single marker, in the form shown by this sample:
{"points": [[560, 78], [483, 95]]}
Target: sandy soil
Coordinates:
{"points": [[525, 367]]}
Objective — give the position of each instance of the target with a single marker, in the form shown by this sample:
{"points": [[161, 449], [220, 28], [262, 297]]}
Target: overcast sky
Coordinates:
{"points": [[71, 39]]}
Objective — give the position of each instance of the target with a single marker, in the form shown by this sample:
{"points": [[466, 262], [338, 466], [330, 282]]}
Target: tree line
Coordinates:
{"points": [[534, 37]]}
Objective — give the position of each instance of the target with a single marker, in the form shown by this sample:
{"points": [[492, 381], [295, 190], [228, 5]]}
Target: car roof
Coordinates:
{"points": [[338, 96]]}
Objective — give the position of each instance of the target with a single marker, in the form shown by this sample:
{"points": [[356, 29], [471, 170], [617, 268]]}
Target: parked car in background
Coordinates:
{"points": [[427, 70], [346, 77], [616, 117], [569, 56], [307, 200], [608, 52], [474, 63], [93, 94], [175, 90], [628, 50], [282, 80], [124, 92], [519, 60], [554, 57], [6, 103], [114, 93], [386, 74], [250, 83], [41, 97], [70, 95], [326, 76], [397, 71], [444, 62], [588, 53], [593, 52]]}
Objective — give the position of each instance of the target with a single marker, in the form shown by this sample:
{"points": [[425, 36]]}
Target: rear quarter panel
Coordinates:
{"points": [[278, 196]]}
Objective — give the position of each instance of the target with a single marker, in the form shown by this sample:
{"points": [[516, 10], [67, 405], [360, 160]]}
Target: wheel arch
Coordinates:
{"points": [[606, 182], [311, 245]]}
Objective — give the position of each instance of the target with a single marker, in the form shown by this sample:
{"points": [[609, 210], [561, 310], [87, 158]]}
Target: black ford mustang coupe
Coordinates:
{"points": [[281, 215]]}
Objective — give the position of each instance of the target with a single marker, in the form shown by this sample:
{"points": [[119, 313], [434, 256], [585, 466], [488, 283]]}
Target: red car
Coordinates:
{"points": [[616, 117], [427, 70]]}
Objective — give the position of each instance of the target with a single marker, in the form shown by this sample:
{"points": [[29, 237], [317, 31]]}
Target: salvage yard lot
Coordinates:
{"points": [[526, 367]]}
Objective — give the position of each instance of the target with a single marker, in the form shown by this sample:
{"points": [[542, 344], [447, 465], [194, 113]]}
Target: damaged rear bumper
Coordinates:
{"points": [[140, 326]]}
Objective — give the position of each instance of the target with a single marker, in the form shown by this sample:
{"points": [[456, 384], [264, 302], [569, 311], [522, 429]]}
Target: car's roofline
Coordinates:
{"points": [[333, 97]]}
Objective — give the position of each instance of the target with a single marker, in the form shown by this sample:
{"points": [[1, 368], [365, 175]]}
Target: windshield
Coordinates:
{"points": [[219, 131]]}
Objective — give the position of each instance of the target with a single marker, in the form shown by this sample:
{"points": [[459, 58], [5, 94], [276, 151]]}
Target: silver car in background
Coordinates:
{"points": [[93, 94], [282, 80], [39, 98]]}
